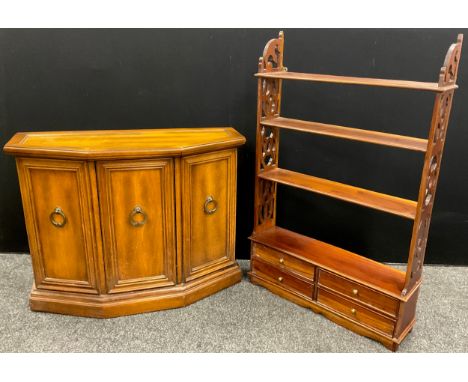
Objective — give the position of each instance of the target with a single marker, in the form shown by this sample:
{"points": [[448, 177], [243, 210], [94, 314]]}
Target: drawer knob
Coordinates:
{"points": [[280, 279], [281, 261], [214, 205], [353, 312], [355, 292], [61, 221], [138, 211]]}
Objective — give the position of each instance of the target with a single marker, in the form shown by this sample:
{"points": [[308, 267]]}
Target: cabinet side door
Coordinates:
{"points": [[208, 189], [137, 211], [60, 223]]}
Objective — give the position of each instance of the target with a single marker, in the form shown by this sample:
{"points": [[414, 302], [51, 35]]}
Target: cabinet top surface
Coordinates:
{"points": [[107, 144]]}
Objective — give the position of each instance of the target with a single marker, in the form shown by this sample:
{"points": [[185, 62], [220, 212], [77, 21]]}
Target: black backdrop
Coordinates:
{"points": [[124, 79]]}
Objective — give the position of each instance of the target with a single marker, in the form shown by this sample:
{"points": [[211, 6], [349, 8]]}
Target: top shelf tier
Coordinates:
{"points": [[426, 86]]}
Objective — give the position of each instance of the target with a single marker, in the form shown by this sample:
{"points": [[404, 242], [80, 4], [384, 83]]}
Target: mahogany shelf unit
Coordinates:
{"points": [[371, 298]]}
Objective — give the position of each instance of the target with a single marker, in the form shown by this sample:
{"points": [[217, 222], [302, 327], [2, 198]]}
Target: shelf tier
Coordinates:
{"points": [[426, 86], [369, 136], [358, 268], [382, 202]]}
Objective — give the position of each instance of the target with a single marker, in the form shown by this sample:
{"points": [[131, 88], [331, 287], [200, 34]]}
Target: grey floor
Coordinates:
{"points": [[243, 318]]}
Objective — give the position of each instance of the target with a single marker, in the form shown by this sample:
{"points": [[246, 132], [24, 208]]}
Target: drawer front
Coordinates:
{"points": [[137, 211], [283, 259], [59, 218], [208, 189], [284, 279], [355, 312], [359, 292]]}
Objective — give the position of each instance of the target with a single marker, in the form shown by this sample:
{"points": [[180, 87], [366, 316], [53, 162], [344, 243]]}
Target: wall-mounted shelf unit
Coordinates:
{"points": [[368, 297]]}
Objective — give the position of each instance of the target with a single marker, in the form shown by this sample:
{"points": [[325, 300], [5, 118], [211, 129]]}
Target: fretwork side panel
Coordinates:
{"points": [[431, 169], [268, 107]]}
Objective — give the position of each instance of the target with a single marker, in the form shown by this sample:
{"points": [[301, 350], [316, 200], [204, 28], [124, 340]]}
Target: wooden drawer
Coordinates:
{"points": [[282, 259], [359, 292], [356, 312], [284, 279]]}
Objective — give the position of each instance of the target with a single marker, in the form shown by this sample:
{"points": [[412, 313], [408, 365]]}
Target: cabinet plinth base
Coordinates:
{"points": [[127, 303]]}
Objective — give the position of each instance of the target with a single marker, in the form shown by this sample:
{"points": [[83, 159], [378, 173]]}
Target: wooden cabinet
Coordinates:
{"points": [[122, 222], [370, 298]]}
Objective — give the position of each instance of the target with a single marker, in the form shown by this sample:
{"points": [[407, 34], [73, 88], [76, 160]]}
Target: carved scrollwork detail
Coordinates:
{"points": [[269, 147], [431, 182], [272, 59], [430, 185], [270, 97], [441, 127], [448, 73], [421, 242], [266, 198], [425, 219]]}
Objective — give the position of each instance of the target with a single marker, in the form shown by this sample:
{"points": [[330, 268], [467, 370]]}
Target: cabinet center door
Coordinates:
{"points": [[137, 211], [208, 189]]}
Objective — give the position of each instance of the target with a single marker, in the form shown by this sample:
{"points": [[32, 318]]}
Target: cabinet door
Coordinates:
{"points": [[60, 223], [208, 190], [137, 212]]}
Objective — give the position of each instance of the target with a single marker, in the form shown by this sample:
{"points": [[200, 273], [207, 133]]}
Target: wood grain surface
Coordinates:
{"points": [[108, 144]]}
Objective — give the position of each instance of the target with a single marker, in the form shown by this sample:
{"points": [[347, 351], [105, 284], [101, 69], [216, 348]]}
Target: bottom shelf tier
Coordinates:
{"points": [[365, 271]]}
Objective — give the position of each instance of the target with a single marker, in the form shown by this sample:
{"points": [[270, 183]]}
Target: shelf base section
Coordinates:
{"points": [[391, 343], [355, 292], [349, 265]]}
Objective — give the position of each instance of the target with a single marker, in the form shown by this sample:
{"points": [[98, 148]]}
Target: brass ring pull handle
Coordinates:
{"points": [[52, 217], [210, 200], [138, 211]]}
